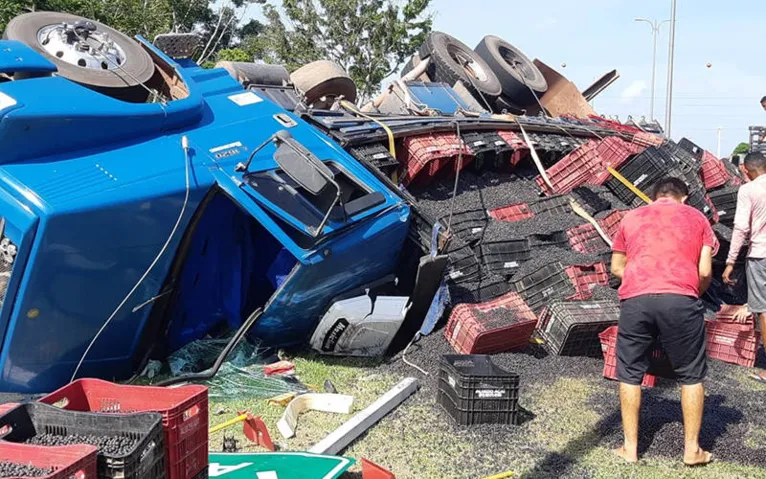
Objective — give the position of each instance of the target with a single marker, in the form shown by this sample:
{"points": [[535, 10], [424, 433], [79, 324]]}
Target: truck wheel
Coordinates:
{"points": [[452, 61], [87, 52], [255, 73], [323, 78], [515, 72]]}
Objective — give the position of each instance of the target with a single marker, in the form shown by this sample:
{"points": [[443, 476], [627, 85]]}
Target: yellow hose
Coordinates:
{"points": [[228, 423], [630, 185], [502, 475]]}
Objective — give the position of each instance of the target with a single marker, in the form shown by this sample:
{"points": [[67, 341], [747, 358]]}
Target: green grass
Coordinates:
{"points": [[564, 424]]}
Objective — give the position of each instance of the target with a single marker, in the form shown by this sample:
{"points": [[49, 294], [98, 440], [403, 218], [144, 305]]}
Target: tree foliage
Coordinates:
{"points": [[741, 149], [219, 23], [370, 39]]}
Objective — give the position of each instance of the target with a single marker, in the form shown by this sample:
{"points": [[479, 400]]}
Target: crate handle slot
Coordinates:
{"points": [[79, 474], [191, 412], [61, 403], [5, 430]]}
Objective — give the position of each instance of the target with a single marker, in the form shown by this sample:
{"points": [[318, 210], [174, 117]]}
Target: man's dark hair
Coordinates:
{"points": [[670, 186], [763, 100], [755, 161]]}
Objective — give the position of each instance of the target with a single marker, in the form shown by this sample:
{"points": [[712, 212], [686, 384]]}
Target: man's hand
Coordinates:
{"points": [[742, 314], [727, 275]]}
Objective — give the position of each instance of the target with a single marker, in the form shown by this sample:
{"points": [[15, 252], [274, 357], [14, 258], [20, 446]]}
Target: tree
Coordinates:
{"points": [[370, 39], [742, 148]]}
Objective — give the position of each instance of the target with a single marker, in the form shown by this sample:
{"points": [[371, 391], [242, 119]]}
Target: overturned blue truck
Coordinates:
{"points": [[146, 202]]}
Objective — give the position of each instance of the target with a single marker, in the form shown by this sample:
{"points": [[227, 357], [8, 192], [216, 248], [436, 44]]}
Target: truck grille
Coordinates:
{"points": [[8, 252]]}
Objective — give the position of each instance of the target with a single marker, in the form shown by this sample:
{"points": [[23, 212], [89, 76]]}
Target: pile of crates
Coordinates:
{"points": [[731, 341], [165, 431]]}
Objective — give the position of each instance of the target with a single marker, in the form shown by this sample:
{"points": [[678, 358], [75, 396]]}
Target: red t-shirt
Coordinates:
{"points": [[663, 242]]}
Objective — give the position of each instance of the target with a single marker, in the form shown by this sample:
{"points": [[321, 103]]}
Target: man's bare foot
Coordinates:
{"points": [[697, 458], [630, 456]]}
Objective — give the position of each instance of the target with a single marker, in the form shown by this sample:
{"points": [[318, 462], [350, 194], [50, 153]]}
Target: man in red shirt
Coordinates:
{"points": [[663, 254]]}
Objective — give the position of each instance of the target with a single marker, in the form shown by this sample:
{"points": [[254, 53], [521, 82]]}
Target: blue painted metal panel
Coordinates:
{"points": [[16, 57]]}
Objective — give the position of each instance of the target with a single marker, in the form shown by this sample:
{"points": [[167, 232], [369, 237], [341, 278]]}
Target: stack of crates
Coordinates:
{"points": [[377, 155], [183, 411], [572, 328], [143, 459], [503, 324], [423, 156], [613, 152], [730, 341], [473, 390], [646, 139], [725, 202], [714, 173], [643, 170], [520, 149]]}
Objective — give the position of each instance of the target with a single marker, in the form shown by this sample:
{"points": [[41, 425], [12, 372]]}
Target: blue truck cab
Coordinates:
{"points": [[151, 224]]}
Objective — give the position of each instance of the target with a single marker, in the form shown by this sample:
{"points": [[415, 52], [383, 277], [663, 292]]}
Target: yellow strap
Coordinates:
{"points": [[353, 108], [502, 475], [227, 423], [630, 185]]}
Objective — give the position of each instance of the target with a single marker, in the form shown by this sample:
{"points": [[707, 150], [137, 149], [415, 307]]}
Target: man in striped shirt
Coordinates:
{"points": [[750, 223]]}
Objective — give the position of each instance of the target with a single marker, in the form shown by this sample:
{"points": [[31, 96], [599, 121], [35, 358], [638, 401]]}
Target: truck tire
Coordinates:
{"points": [[120, 75], [453, 61], [248, 73], [323, 78], [515, 72]]}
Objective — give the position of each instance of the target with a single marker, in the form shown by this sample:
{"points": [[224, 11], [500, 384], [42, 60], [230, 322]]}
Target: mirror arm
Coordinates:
{"points": [[246, 165]]}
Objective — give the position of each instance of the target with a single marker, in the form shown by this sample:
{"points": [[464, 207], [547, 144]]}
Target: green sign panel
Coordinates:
{"points": [[277, 465]]}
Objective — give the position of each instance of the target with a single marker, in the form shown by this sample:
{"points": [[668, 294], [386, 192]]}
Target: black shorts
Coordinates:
{"points": [[679, 323]]}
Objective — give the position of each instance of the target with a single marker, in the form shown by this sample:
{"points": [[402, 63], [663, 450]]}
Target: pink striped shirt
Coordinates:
{"points": [[750, 220]]}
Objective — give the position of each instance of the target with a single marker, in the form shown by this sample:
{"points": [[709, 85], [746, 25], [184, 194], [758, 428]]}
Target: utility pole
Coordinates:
{"points": [[718, 152], [671, 52], [655, 32]]}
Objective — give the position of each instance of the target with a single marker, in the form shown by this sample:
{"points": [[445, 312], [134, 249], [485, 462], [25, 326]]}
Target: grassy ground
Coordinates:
{"points": [[419, 441]]}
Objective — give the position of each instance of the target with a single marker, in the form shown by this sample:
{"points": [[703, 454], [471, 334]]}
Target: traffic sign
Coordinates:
{"points": [[276, 465]]}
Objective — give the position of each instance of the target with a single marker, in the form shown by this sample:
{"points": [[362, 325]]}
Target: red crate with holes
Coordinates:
{"points": [[728, 311], [520, 149], [577, 168], [585, 277], [512, 213], [647, 139], [714, 173], [613, 152], [184, 416], [67, 462], [609, 347], [585, 239], [503, 324], [732, 343], [613, 125], [611, 222]]}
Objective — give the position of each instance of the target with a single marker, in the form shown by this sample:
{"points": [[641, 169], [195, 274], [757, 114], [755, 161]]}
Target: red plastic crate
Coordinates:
{"points": [[585, 277], [647, 139], [732, 343], [67, 462], [614, 152], [742, 169], [613, 125], [470, 332], [585, 239], [4, 408], [577, 168], [714, 173], [726, 314], [611, 222], [425, 155], [184, 416], [520, 149], [609, 348], [511, 213]]}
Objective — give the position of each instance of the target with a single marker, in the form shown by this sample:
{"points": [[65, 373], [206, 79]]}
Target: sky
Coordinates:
{"points": [[593, 37]]}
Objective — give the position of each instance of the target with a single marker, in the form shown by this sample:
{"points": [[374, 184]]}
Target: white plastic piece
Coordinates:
{"points": [[359, 327], [337, 440], [334, 403]]}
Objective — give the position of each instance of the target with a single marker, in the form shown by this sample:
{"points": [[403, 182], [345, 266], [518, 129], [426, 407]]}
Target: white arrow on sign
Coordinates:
{"points": [[215, 469]]}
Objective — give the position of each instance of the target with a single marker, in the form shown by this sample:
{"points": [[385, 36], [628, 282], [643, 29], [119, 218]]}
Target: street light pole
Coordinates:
{"points": [[655, 31], [671, 52]]}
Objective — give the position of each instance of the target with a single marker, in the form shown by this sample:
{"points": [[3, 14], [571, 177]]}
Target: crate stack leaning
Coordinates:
{"points": [[535, 280], [93, 428]]}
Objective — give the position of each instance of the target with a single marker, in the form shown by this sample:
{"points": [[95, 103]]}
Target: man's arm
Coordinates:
{"points": [[705, 268], [741, 225], [619, 260]]}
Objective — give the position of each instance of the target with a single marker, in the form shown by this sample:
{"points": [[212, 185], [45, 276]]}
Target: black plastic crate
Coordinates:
{"points": [[641, 170], [590, 200], [203, 474], [698, 201], [468, 225], [571, 328], [552, 205], [725, 202], [684, 158], [377, 155], [691, 147], [486, 288], [504, 257], [546, 284], [556, 238], [503, 151], [463, 265], [483, 152], [146, 460], [473, 390]]}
